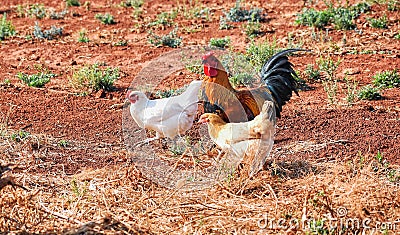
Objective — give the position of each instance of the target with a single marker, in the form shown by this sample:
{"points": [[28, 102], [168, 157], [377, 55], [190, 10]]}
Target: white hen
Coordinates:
{"points": [[169, 117]]}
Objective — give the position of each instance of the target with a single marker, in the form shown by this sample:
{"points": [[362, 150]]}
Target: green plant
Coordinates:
{"points": [[223, 24], [121, 43], [58, 15], [50, 34], [397, 36], [132, 3], [220, 42], [6, 28], [341, 17], [329, 66], [19, 136], [94, 77], [37, 10], [312, 74], [253, 29], [72, 3], [258, 53], [393, 5], [238, 14], [36, 80], [369, 92], [83, 37], [241, 70], [63, 143], [380, 23], [164, 19], [106, 18], [170, 40], [351, 85], [387, 79]]}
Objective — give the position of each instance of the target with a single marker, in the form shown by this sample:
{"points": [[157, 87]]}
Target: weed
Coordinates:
{"points": [[6, 28], [242, 71], [369, 92], [177, 150], [342, 17], [63, 143], [223, 23], [37, 10], [50, 34], [121, 43], [58, 15], [164, 19], [379, 23], [329, 67], [258, 53], [132, 3], [220, 42], [312, 74], [238, 14], [95, 78], [397, 36], [36, 80], [253, 29], [170, 40], [7, 81], [351, 90], [106, 18], [387, 79], [393, 5], [83, 37], [19, 136], [72, 3]]}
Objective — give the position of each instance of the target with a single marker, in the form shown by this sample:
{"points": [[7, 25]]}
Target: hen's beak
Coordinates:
{"points": [[131, 98]]}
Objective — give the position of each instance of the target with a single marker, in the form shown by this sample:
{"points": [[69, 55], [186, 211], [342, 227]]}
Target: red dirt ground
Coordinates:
{"points": [[93, 124]]}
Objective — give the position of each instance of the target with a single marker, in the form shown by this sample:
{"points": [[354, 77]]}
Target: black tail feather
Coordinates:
{"points": [[278, 76]]}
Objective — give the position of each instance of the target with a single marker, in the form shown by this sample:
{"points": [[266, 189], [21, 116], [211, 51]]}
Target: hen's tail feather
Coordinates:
{"points": [[278, 75]]}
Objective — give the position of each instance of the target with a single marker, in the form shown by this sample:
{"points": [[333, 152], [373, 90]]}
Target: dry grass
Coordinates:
{"points": [[119, 200]]}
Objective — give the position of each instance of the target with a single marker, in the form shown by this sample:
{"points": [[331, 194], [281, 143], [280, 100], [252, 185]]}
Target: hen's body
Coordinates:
{"points": [[237, 105], [169, 117]]}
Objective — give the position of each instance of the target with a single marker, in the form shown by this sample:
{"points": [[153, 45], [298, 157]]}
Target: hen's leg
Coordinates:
{"points": [[147, 141]]}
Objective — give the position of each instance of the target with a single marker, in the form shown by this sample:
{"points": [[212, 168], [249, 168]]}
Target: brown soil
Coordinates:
{"points": [[310, 127]]}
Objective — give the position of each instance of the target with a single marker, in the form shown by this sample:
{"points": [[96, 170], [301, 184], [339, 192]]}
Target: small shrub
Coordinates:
{"points": [[220, 42], [238, 14], [83, 37], [380, 23], [6, 28], [312, 74], [164, 19], [20, 136], [223, 24], [253, 29], [393, 5], [106, 18], [132, 3], [170, 40], [63, 143], [369, 93], [58, 15], [258, 54], [50, 34], [387, 79], [121, 43], [242, 79], [314, 18], [329, 66], [95, 78], [36, 80], [397, 36], [343, 19], [72, 3], [37, 10]]}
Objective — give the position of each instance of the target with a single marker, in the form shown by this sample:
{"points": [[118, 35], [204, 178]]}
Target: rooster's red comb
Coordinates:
{"points": [[204, 57]]}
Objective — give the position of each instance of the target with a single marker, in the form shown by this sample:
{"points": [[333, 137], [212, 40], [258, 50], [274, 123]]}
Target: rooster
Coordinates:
{"points": [[168, 117], [238, 105], [254, 137]]}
